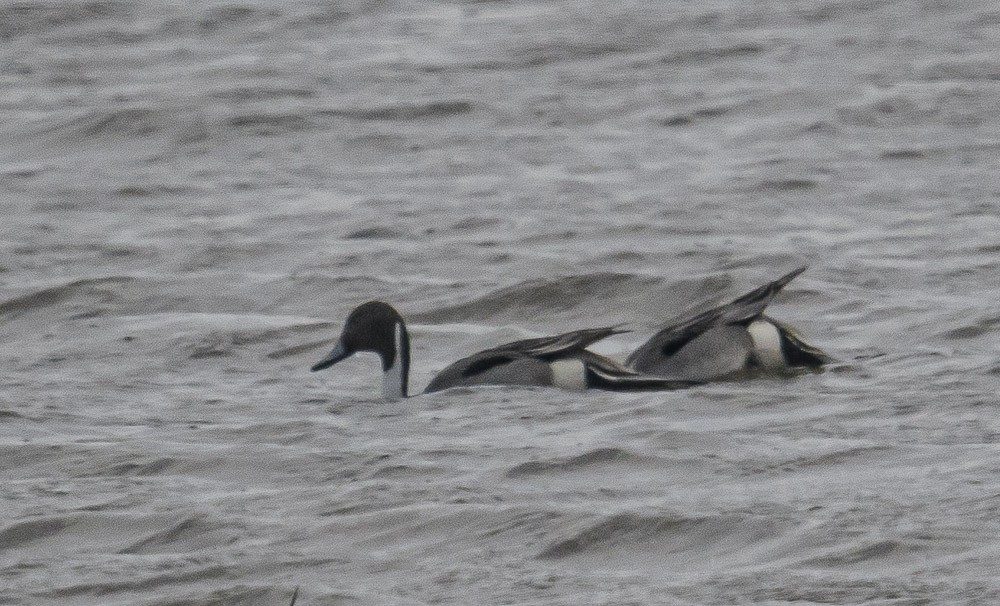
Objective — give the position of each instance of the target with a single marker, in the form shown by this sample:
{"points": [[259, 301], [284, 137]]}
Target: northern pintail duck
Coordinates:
{"points": [[728, 341], [558, 361]]}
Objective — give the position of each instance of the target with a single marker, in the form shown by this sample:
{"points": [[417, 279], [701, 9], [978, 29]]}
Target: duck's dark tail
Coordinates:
{"points": [[754, 302], [797, 352]]}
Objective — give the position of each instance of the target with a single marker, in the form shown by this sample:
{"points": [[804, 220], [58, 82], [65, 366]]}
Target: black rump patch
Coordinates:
{"points": [[797, 353]]}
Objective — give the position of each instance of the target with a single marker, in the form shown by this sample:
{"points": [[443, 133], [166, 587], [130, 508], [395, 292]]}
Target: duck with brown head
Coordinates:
{"points": [[376, 327], [558, 361]]}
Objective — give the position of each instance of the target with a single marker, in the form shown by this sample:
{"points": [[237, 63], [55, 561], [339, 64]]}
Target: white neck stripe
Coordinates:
{"points": [[392, 379]]}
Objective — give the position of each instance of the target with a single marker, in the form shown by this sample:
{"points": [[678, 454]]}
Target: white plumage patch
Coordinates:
{"points": [[767, 344], [392, 379], [569, 373]]}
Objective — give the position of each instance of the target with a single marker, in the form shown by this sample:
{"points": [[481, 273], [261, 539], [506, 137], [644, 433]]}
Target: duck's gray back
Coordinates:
{"points": [[522, 371], [717, 352]]}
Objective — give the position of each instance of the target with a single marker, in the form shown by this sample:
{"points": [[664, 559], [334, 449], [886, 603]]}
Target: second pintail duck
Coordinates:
{"points": [[729, 341], [559, 361]]}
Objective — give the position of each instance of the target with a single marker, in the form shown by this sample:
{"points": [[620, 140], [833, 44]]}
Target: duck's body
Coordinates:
{"points": [[559, 361], [728, 341]]}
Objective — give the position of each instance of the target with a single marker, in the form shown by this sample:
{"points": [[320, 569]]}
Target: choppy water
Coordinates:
{"points": [[194, 195]]}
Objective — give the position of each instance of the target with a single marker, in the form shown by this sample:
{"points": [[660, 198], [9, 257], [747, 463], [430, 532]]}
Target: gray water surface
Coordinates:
{"points": [[194, 195]]}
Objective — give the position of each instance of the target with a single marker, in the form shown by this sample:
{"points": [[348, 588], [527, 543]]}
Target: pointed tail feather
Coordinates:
{"points": [[754, 302]]}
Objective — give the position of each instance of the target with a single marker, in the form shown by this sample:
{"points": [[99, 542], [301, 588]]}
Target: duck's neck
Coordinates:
{"points": [[396, 371]]}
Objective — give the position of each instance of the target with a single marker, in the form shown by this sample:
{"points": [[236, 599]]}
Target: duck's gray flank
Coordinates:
{"points": [[727, 340], [560, 361]]}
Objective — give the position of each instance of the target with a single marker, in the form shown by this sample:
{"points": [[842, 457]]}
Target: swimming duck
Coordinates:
{"points": [[558, 361], [728, 341]]}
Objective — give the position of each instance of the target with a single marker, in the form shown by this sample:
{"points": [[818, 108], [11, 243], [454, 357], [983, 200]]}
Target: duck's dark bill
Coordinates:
{"points": [[339, 353]]}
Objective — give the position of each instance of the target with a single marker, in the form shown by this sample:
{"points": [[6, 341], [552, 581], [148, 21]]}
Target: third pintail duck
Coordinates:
{"points": [[728, 341], [558, 361]]}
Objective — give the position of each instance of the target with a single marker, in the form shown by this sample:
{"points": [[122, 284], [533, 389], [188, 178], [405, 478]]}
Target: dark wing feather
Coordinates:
{"points": [[605, 373], [479, 363], [555, 346], [545, 348], [741, 310]]}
